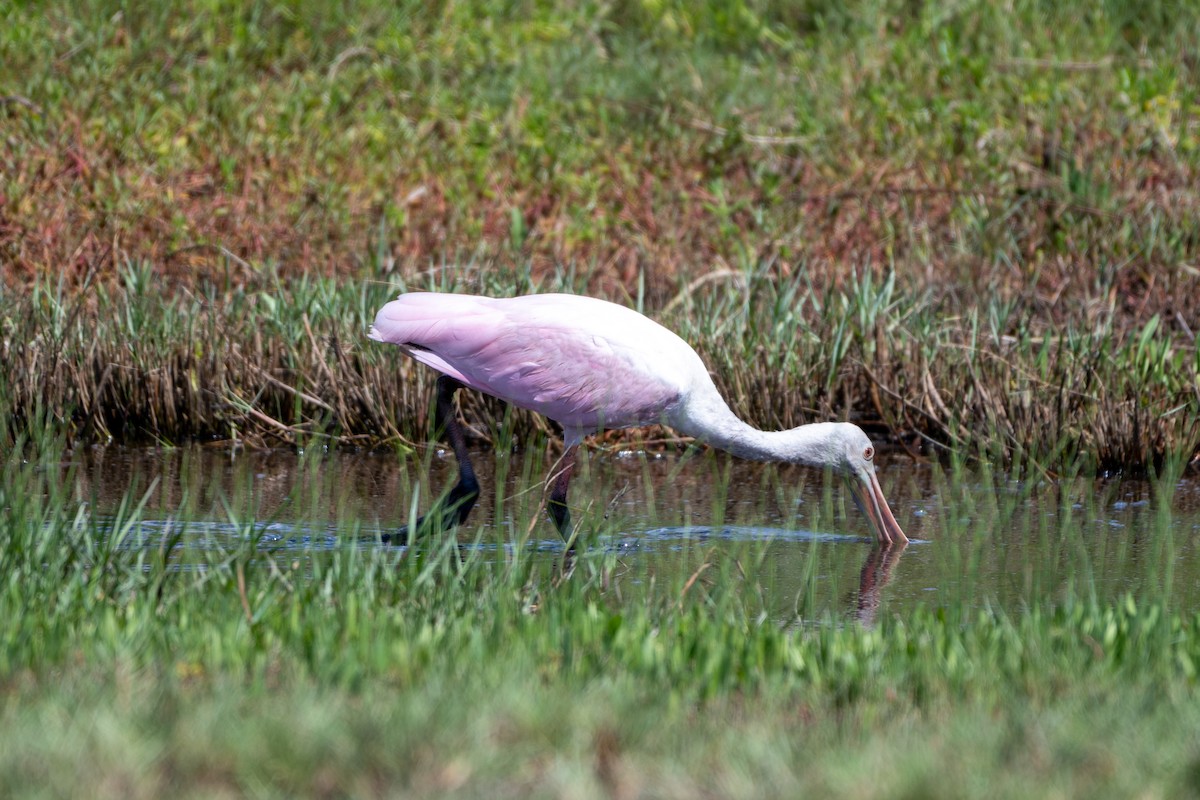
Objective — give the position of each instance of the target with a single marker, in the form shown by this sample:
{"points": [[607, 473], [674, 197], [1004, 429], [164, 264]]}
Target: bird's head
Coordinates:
{"points": [[858, 468]]}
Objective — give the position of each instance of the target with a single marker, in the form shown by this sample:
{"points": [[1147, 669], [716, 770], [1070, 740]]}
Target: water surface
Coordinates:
{"points": [[980, 538]]}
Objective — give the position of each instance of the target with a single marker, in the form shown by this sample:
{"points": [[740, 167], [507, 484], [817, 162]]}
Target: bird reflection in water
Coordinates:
{"points": [[864, 605], [875, 574]]}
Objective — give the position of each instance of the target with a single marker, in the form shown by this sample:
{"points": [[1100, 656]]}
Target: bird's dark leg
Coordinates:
{"points": [[462, 497], [557, 505], [453, 510]]}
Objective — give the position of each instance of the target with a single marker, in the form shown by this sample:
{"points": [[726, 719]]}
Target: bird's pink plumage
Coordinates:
{"points": [[585, 363]]}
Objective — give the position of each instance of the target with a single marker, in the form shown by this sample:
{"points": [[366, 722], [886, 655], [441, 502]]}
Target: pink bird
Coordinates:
{"points": [[591, 365]]}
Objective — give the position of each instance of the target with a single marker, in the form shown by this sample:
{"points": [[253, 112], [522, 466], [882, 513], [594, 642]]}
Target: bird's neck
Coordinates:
{"points": [[709, 419]]}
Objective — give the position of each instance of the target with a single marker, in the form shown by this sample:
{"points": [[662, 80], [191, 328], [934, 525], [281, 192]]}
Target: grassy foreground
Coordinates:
{"points": [[133, 669], [139, 734]]}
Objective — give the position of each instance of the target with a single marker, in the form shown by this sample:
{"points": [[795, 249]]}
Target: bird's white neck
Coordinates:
{"points": [[707, 417]]}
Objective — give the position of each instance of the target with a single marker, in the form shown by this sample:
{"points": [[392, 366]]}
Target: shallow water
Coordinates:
{"points": [[980, 538]]}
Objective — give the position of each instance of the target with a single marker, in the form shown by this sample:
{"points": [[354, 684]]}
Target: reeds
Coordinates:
{"points": [[288, 362]]}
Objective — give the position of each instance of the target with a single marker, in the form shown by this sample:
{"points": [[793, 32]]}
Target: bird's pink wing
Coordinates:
{"points": [[585, 363], [437, 329]]}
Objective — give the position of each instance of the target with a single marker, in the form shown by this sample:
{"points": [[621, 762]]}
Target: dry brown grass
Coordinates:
{"points": [[292, 366], [660, 224]]}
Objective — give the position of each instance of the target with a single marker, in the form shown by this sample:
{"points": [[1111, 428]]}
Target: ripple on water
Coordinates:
{"points": [[991, 541]]}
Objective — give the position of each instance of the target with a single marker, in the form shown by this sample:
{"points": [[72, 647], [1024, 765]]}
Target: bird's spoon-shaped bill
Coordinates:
{"points": [[868, 496]]}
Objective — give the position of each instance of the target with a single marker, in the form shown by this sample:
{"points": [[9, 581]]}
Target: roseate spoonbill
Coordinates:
{"points": [[592, 365]]}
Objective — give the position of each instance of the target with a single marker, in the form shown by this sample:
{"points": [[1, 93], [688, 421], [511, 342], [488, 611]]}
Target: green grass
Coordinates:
{"points": [[368, 670], [137, 734]]}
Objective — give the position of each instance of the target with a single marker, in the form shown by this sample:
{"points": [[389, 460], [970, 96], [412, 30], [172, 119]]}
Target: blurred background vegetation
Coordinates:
{"points": [[1038, 150]]}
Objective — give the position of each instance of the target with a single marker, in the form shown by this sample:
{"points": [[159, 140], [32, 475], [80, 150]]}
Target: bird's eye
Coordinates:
{"points": [[869, 453]]}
